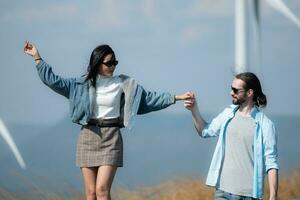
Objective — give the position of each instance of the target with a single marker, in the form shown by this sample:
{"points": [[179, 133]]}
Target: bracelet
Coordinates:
{"points": [[38, 59]]}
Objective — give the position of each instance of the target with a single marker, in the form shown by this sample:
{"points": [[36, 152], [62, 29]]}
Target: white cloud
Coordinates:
{"points": [[45, 13], [211, 8], [104, 13], [193, 33], [108, 14]]}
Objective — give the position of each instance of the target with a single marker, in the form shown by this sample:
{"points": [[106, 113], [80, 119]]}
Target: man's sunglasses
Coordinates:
{"points": [[111, 63], [236, 90]]}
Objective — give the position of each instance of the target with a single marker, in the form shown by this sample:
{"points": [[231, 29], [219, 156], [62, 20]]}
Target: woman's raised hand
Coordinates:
{"points": [[31, 50], [185, 96]]}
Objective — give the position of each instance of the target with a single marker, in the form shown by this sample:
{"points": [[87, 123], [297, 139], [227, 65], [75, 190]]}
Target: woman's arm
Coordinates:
{"points": [[55, 82], [153, 101], [183, 97]]}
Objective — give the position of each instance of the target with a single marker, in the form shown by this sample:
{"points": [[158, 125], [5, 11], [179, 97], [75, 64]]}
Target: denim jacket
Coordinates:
{"points": [[265, 147], [79, 92]]}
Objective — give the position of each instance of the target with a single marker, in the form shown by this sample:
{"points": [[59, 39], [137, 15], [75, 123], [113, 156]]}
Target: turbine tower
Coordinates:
{"points": [[242, 11]]}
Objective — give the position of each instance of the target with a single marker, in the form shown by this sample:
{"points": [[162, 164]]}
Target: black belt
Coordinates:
{"points": [[114, 122]]}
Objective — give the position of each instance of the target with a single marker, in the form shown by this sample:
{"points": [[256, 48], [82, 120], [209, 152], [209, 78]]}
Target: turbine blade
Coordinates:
{"points": [[256, 8], [8, 139], [281, 7]]}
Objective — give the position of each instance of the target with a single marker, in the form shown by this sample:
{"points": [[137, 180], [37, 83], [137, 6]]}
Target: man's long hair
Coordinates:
{"points": [[252, 82]]}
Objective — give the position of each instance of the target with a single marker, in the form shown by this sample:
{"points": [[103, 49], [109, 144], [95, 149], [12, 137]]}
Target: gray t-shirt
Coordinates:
{"points": [[237, 172]]}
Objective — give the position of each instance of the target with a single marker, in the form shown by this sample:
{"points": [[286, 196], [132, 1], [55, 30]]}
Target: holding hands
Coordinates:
{"points": [[184, 96], [190, 103], [189, 100]]}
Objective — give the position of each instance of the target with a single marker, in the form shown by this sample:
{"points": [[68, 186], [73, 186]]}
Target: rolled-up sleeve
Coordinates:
{"points": [[270, 146]]}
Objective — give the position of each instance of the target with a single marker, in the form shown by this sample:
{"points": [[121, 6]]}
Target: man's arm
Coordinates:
{"points": [[199, 122], [271, 156], [273, 183], [203, 128]]}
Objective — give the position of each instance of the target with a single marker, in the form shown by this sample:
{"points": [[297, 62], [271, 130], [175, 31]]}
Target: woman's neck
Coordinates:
{"points": [[105, 76]]}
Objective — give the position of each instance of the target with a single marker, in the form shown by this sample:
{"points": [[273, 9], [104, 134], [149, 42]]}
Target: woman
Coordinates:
{"points": [[102, 103]]}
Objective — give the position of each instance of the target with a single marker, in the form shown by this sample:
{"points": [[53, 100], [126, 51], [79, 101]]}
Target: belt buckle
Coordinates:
{"points": [[98, 125]]}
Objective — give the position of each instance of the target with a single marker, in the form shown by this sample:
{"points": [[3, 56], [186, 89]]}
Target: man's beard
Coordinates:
{"points": [[238, 101]]}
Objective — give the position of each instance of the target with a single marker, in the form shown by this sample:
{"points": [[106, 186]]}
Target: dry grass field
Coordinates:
{"points": [[177, 189]]}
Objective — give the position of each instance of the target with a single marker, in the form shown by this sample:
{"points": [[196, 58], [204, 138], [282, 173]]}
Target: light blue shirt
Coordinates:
{"points": [[265, 147]]}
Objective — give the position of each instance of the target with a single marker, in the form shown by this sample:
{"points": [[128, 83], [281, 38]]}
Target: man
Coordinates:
{"points": [[247, 146]]}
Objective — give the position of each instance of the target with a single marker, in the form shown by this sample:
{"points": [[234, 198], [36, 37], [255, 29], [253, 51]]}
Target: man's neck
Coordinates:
{"points": [[245, 108]]}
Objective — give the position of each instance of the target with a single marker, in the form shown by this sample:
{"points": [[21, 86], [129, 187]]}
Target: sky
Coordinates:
{"points": [[167, 46]]}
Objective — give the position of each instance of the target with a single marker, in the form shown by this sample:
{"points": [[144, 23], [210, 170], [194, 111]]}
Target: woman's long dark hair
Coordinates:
{"points": [[252, 82], [96, 60]]}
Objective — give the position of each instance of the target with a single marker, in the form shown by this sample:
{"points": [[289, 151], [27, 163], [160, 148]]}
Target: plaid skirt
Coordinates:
{"points": [[99, 146]]}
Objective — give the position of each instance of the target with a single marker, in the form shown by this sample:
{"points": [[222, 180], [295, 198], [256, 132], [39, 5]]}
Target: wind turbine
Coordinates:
{"points": [[241, 28], [8, 139]]}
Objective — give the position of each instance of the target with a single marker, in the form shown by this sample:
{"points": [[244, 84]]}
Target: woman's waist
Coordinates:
{"points": [[106, 122]]}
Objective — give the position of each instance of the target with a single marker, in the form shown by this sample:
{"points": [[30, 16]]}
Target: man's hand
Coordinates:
{"points": [[191, 103]]}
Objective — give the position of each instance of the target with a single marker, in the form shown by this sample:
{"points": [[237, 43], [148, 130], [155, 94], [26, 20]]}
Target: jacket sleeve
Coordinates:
{"points": [[153, 101], [270, 146], [55, 82], [213, 128]]}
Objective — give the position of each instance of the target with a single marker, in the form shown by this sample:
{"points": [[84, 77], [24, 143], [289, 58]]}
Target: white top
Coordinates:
{"points": [[106, 102]]}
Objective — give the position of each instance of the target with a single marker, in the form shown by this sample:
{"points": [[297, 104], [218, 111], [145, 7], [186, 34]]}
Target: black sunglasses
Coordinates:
{"points": [[111, 63], [236, 91]]}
